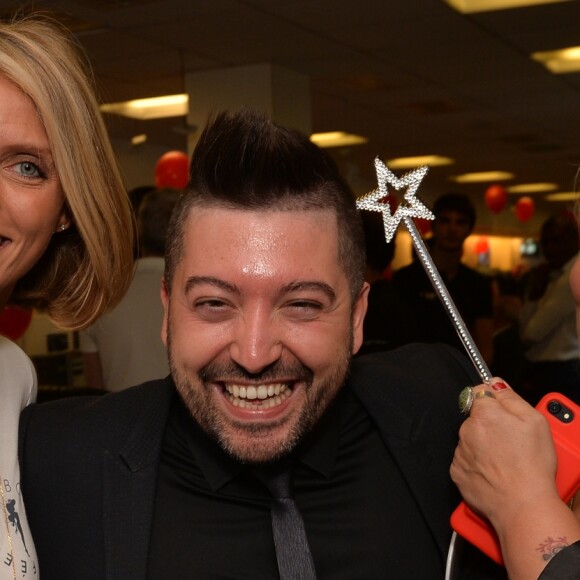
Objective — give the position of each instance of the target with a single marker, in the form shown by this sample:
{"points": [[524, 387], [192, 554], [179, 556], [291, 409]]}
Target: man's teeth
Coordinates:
{"points": [[253, 392], [264, 396]]}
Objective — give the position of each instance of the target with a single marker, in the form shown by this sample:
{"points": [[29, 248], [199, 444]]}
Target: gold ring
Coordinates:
{"points": [[483, 394], [466, 400]]}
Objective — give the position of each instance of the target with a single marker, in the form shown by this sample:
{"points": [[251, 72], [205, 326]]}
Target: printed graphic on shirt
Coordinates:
{"points": [[17, 552]]}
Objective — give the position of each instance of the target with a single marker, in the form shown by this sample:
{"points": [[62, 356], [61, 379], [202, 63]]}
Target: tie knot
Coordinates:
{"points": [[277, 478]]}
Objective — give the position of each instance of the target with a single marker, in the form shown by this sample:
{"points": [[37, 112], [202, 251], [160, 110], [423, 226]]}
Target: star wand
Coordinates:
{"points": [[414, 208]]}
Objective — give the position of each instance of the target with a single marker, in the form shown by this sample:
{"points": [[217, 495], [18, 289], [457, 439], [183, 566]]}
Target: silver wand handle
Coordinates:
{"points": [[446, 300]]}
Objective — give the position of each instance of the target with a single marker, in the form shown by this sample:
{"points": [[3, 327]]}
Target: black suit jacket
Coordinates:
{"points": [[89, 465]]}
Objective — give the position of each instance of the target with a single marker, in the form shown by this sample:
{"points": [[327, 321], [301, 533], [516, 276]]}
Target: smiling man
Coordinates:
{"points": [[274, 324], [264, 302]]}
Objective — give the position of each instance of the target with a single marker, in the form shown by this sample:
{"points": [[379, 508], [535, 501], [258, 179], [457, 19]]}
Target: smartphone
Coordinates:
{"points": [[563, 416]]}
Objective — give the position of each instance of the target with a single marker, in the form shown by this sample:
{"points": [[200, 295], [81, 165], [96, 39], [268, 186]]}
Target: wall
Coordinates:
{"points": [[504, 253]]}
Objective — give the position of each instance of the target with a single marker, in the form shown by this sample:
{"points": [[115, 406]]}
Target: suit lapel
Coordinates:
{"points": [[411, 440], [415, 458], [129, 482], [128, 501]]}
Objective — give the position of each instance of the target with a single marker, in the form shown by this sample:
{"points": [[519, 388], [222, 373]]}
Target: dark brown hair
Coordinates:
{"points": [[245, 161]]}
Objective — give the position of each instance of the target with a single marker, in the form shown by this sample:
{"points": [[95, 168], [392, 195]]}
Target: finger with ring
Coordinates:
{"points": [[466, 400]]}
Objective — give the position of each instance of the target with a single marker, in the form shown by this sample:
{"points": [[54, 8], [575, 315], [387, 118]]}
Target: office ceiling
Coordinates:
{"points": [[414, 76]]}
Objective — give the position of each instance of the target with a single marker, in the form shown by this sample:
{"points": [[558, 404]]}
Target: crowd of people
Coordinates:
{"points": [[524, 325], [266, 297]]}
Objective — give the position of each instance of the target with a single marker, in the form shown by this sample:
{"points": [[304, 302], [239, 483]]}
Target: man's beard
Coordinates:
{"points": [[198, 399]]}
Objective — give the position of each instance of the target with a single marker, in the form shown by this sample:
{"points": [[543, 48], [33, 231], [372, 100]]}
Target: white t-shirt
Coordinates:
{"points": [[548, 325], [17, 389], [128, 338]]}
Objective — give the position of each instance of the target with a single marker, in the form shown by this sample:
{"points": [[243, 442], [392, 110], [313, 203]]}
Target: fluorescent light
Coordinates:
{"points": [[532, 187], [482, 177], [563, 196], [468, 6], [138, 139], [153, 108], [412, 162], [561, 61], [336, 139]]}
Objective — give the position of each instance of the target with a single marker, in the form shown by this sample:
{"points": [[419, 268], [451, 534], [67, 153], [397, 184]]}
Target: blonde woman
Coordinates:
{"points": [[66, 231]]}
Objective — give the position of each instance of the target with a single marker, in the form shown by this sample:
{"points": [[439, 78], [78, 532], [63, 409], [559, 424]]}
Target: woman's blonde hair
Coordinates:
{"points": [[87, 268]]}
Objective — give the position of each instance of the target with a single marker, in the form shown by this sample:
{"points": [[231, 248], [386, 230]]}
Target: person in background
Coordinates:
{"points": [[509, 359], [264, 301], [547, 317], [136, 195], [471, 291], [65, 227], [389, 322], [124, 347]]}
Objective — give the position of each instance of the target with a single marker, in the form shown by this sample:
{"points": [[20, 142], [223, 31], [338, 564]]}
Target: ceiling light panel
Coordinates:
{"points": [[470, 6], [153, 108], [482, 177]]}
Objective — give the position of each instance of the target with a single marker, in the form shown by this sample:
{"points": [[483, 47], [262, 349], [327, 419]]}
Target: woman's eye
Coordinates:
{"points": [[28, 169]]}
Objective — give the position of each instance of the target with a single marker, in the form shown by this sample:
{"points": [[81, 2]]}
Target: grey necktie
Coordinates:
{"points": [[292, 549]]}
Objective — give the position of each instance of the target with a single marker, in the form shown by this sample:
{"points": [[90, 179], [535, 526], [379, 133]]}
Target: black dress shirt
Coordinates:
{"points": [[212, 516]]}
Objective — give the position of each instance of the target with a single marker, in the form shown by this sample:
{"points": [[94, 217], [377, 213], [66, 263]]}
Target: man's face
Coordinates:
{"points": [[450, 229], [260, 325]]}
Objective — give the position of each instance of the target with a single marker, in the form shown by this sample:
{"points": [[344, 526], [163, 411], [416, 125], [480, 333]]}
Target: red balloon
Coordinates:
{"points": [[14, 321], [172, 170], [482, 246], [525, 208], [496, 198]]}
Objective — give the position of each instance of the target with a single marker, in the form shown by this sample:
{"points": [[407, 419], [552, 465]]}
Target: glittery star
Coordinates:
{"points": [[376, 199]]}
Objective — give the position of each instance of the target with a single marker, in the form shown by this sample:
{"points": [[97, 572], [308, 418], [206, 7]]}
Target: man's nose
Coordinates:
{"points": [[256, 342]]}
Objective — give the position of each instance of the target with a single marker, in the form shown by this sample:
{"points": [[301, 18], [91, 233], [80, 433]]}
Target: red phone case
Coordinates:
{"points": [[477, 530]]}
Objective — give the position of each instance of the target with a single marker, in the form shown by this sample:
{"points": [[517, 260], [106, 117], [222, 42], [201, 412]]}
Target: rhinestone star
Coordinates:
{"points": [[376, 199]]}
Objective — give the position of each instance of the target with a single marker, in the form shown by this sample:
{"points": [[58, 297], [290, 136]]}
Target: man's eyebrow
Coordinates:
{"points": [[312, 285], [193, 281], [297, 286]]}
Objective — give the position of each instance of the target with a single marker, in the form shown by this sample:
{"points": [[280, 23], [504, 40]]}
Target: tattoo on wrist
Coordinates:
{"points": [[551, 546]]}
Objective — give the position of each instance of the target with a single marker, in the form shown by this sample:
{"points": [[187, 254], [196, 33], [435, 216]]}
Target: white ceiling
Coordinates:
{"points": [[414, 76]]}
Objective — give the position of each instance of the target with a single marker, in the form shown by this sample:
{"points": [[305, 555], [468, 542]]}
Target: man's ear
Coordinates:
{"points": [[358, 315], [165, 302]]}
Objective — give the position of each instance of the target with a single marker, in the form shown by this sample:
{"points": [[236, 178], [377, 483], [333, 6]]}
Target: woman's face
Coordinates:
{"points": [[31, 198]]}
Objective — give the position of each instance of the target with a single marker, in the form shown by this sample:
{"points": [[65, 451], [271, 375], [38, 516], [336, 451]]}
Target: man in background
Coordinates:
{"points": [[124, 347], [390, 321], [470, 290]]}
